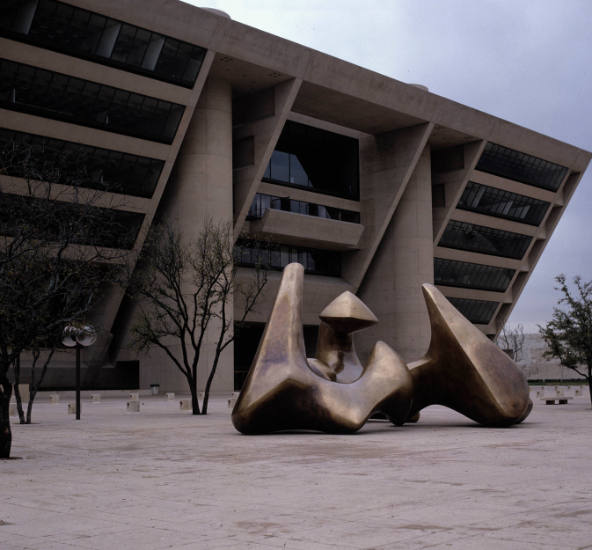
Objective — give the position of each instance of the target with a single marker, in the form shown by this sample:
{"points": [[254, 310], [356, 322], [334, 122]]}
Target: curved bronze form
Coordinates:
{"points": [[466, 371], [282, 391], [336, 357]]}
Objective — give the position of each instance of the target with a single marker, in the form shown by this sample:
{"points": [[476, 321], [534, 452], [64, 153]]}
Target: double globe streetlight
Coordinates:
{"points": [[78, 337]]}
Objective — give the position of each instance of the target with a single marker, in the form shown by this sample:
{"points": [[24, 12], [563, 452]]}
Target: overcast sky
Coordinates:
{"points": [[527, 61]]}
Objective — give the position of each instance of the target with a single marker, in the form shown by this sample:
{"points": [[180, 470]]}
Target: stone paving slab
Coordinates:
{"points": [[163, 478]]}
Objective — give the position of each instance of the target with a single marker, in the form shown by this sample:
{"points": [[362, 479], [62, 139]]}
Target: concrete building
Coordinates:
{"points": [[375, 185], [539, 368]]}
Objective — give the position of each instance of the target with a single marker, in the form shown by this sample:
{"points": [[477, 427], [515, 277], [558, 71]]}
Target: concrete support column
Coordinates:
{"points": [[404, 260], [201, 185], [200, 189]]}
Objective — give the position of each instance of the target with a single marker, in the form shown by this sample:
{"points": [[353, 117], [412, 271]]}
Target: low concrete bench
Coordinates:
{"points": [[54, 398], [556, 395], [95, 397], [556, 400], [170, 395], [133, 406]]}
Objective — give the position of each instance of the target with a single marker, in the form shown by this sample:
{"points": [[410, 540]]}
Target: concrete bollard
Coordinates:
{"points": [[185, 404], [71, 408], [12, 409], [133, 406], [134, 396], [232, 400], [170, 395], [54, 398], [95, 397]]}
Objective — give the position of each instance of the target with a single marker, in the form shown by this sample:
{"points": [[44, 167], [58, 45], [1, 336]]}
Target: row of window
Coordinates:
{"points": [[315, 159], [61, 97], [514, 165], [502, 204], [470, 275], [275, 256], [56, 161], [485, 240], [74, 31], [73, 222], [263, 202], [476, 311]]}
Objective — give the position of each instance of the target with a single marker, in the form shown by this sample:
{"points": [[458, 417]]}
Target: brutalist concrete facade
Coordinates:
{"points": [[375, 185]]}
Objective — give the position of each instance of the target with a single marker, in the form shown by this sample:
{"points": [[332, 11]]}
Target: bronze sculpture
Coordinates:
{"points": [[466, 371], [334, 392]]}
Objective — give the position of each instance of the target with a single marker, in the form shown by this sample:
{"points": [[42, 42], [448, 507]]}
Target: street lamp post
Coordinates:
{"points": [[78, 337]]}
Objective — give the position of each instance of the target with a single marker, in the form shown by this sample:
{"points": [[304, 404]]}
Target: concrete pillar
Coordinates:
{"points": [[201, 184], [200, 189], [404, 260]]}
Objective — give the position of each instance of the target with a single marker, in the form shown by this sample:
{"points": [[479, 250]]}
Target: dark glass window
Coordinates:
{"points": [[469, 275], [54, 95], [56, 161], [502, 204], [263, 202], [276, 256], [476, 311], [521, 167], [81, 33], [315, 159], [82, 223], [486, 240]]}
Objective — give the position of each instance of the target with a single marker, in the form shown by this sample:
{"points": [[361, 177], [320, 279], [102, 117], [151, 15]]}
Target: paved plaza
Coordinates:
{"points": [[162, 478]]}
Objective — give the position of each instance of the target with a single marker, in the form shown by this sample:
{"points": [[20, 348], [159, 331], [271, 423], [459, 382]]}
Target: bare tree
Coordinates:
{"points": [[186, 290], [568, 334], [47, 277], [511, 340]]}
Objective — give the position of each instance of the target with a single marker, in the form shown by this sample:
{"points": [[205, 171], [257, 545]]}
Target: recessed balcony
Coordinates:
{"points": [[305, 230]]}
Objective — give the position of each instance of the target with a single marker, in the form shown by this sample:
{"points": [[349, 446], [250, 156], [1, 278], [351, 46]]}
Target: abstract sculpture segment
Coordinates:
{"points": [[334, 392], [466, 371], [283, 392]]}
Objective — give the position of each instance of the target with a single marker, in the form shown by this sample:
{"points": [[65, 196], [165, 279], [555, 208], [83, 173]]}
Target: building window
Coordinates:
{"points": [[56, 161], [57, 96], [317, 160], [486, 240], [502, 204], [470, 275], [476, 311], [263, 202], [85, 224], [514, 165], [81, 33], [277, 256]]}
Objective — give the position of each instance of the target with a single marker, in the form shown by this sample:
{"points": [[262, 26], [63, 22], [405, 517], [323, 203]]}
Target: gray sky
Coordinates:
{"points": [[527, 61]]}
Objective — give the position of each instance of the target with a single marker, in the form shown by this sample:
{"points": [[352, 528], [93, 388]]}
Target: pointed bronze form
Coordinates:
{"points": [[466, 371], [336, 357], [282, 392]]}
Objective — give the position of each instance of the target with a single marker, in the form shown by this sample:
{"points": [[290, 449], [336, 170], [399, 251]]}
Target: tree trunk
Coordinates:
{"points": [[204, 407], [36, 384], [17, 393], [193, 390], [590, 382], [5, 433]]}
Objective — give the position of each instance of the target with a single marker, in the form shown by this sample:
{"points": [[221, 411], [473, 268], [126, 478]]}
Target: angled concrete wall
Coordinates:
{"points": [[403, 261]]}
